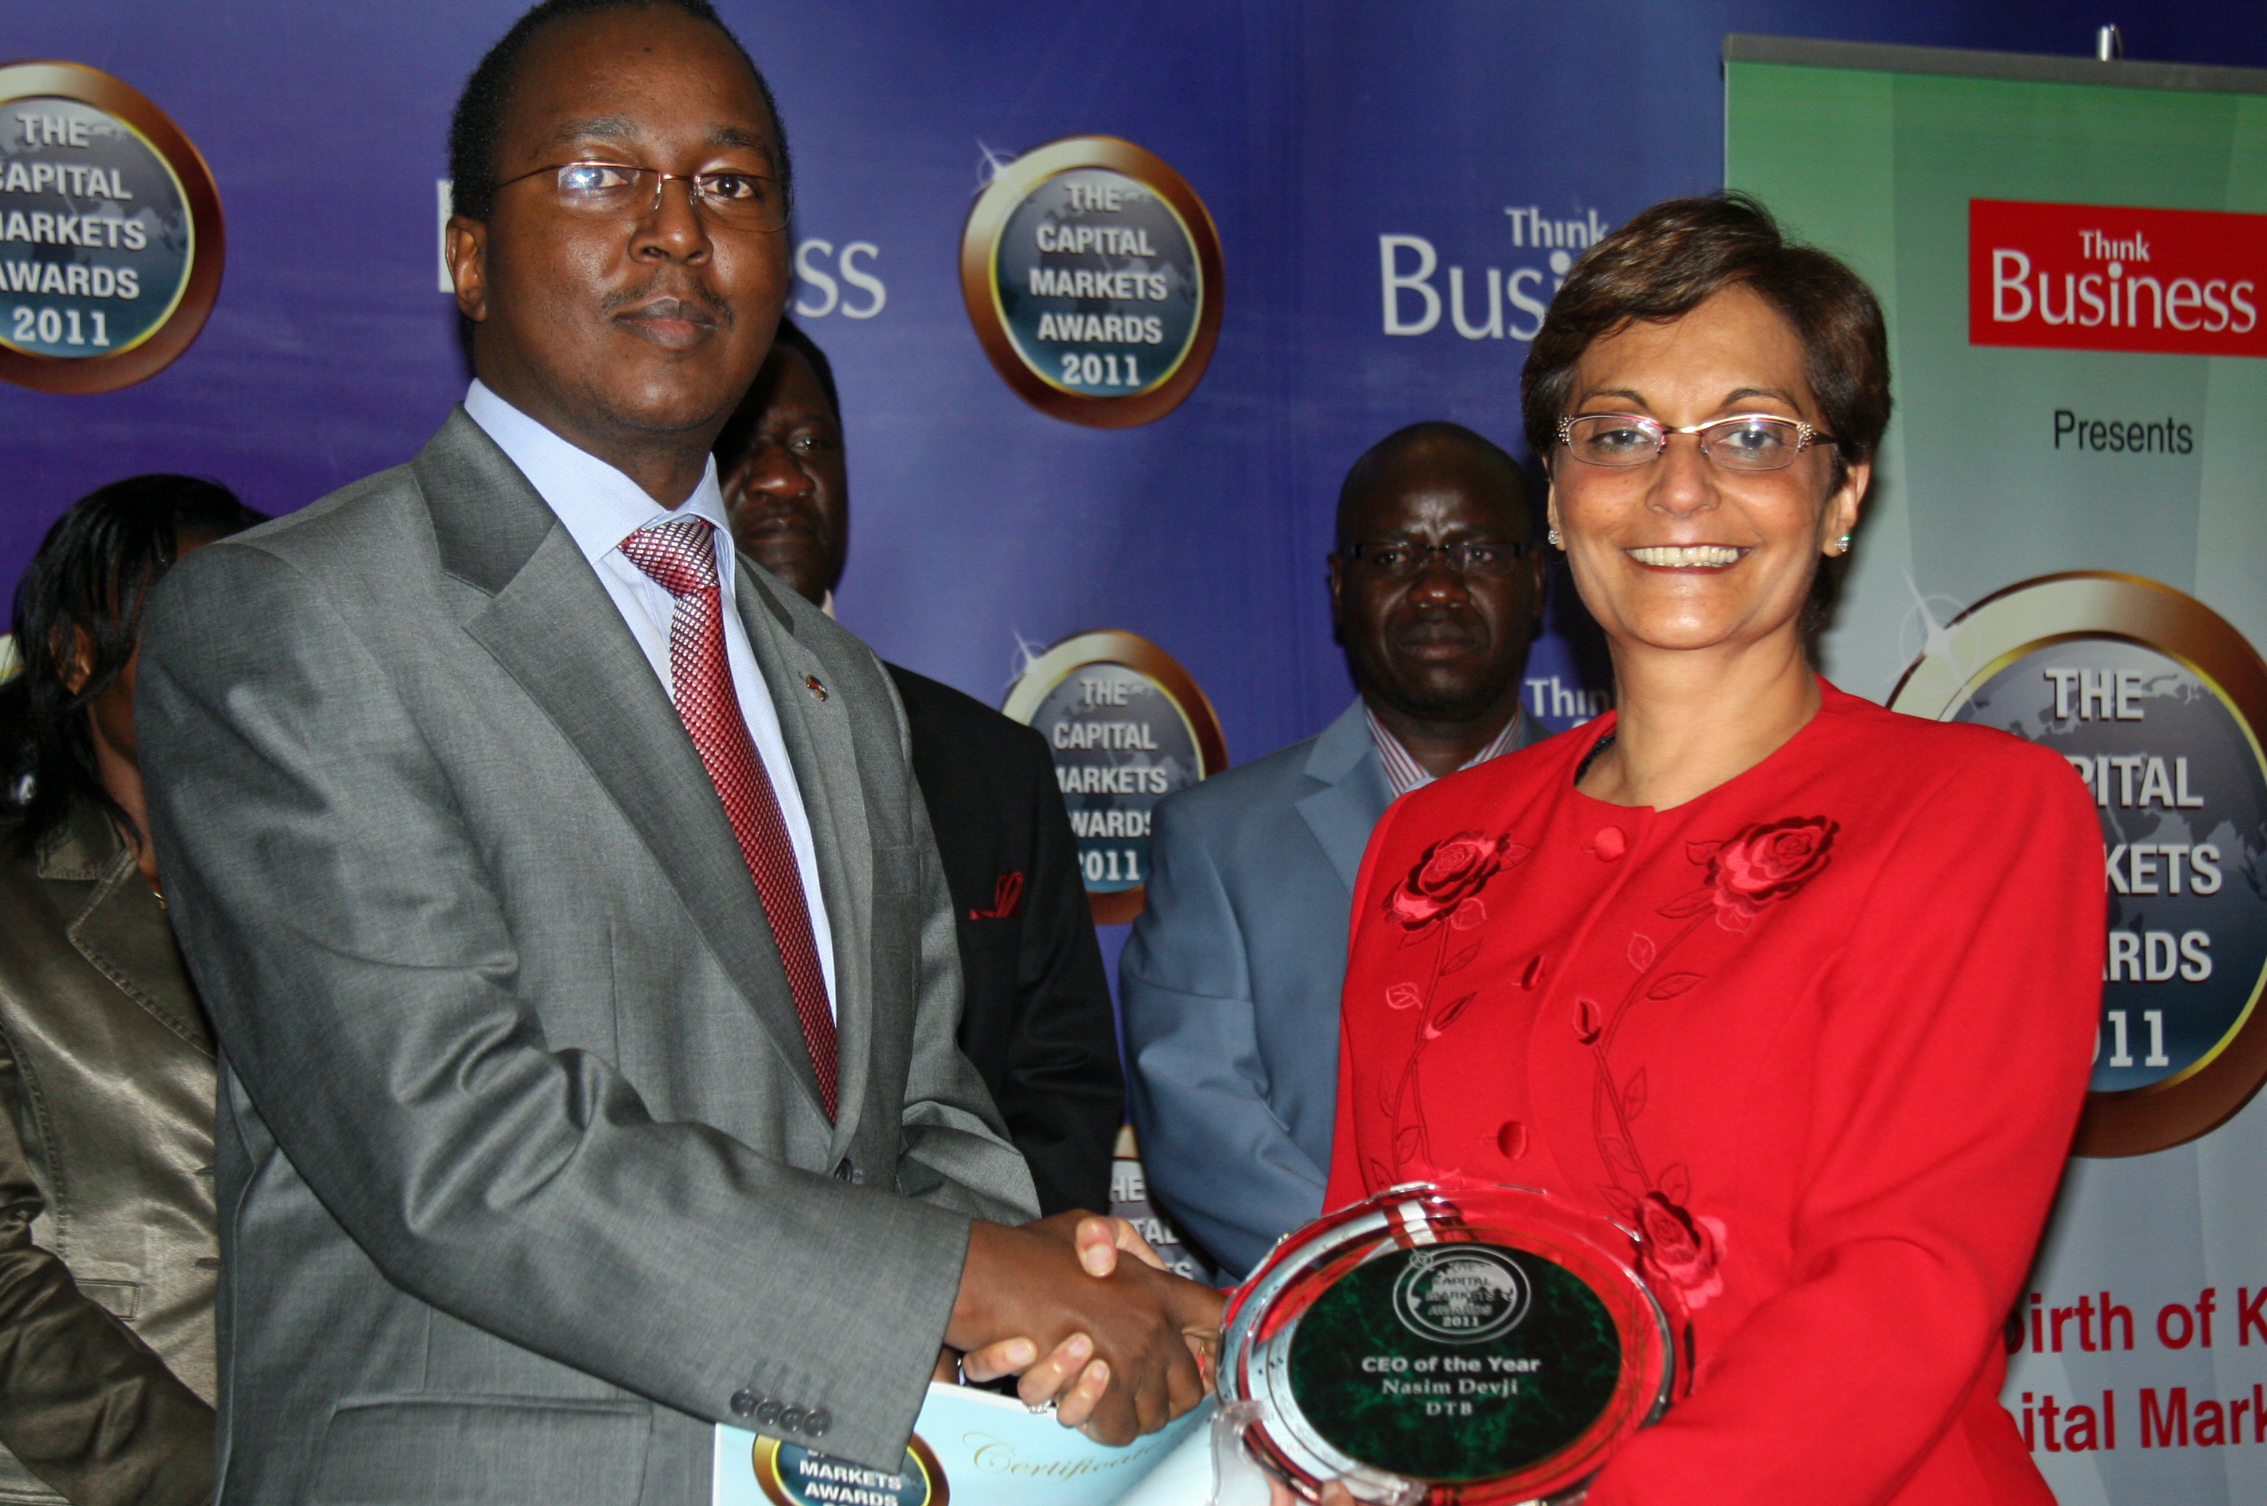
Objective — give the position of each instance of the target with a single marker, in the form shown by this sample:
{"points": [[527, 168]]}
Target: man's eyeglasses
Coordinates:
{"points": [[1401, 559], [732, 199], [1743, 442]]}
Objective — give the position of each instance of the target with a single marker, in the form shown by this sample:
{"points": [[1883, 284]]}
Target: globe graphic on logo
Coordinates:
{"points": [[96, 240], [1121, 745], [1462, 1297], [2182, 796], [1101, 301]]}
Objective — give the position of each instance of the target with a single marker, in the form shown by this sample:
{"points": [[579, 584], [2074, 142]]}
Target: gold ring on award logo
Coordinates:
{"points": [[1091, 271], [111, 237]]}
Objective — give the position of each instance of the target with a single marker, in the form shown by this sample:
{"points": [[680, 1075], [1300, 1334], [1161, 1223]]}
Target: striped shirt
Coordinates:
{"points": [[1405, 773]]}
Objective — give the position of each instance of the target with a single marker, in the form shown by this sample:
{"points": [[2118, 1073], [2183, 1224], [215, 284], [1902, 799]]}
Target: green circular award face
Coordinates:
{"points": [[1492, 1345]]}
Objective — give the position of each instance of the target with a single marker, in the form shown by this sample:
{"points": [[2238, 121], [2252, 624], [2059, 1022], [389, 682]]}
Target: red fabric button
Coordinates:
{"points": [[1512, 1139], [1609, 844]]}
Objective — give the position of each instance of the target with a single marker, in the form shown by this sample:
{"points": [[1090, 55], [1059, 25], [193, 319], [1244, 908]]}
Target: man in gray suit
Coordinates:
{"points": [[581, 964], [1230, 981]]}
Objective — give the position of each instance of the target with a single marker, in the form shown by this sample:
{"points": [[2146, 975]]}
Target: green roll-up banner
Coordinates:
{"points": [[2068, 539]]}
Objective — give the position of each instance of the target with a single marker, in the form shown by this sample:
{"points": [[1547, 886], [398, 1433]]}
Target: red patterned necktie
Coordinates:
{"points": [[680, 557]]}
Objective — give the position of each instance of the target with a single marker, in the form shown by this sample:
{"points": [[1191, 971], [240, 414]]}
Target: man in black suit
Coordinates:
{"points": [[1036, 1020]]}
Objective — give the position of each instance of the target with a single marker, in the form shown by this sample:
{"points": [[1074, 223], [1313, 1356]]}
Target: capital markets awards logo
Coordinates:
{"points": [[1460, 1294], [1127, 726], [792, 1475], [2157, 702], [1092, 274], [110, 232]]}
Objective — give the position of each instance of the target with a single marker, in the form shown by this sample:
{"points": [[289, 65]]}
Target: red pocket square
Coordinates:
{"points": [[1007, 898]]}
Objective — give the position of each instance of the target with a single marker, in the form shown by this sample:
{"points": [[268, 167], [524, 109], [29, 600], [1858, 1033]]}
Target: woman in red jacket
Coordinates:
{"points": [[1800, 990]]}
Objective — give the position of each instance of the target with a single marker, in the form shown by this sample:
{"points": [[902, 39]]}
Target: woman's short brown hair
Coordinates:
{"points": [[1673, 257]]}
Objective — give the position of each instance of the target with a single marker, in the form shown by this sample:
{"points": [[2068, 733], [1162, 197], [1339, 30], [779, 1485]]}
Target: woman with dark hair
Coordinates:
{"points": [[108, 1249], [1799, 991]]}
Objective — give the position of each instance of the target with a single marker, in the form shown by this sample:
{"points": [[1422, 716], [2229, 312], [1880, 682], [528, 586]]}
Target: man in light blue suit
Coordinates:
{"points": [[1230, 981]]}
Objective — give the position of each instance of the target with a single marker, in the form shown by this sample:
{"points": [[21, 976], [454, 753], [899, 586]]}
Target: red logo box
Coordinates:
{"points": [[2181, 282]]}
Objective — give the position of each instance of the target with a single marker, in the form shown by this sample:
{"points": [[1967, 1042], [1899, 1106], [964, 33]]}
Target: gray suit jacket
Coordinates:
{"points": [[524, 1176], [1230, 983]]}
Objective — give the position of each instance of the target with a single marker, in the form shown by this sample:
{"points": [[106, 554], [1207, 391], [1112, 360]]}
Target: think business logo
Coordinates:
{"points": [[2103, 277]]}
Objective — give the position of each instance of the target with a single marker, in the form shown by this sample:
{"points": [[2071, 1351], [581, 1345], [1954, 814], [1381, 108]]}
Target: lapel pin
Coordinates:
{"points": [[816, 688]]}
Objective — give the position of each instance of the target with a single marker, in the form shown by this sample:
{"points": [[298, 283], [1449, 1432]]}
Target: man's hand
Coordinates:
{"points": [[1070, 1376], [1116, 1335]]}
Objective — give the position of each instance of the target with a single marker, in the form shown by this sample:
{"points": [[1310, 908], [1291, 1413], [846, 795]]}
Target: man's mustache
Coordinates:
{"points": [[780, 523], [716, 309], [1425, 634], [759, 523]]}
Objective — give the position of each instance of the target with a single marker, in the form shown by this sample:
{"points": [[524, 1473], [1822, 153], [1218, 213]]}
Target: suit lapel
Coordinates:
{"points": [[551, 626], [1354, 794], [118, 932], [825, 755]]}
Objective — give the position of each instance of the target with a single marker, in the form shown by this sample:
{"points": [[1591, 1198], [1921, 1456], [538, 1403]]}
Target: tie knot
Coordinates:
{"points": [[677, 556]]}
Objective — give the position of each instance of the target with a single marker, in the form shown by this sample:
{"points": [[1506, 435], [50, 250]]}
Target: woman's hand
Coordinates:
{"points": [[1100, 1238]]}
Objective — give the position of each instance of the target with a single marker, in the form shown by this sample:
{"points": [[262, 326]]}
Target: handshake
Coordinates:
{"points": [[1121, 1346]]}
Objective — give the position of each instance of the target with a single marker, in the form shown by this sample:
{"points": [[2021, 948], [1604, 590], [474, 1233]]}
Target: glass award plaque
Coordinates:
{"points": [[1477, 1346]]}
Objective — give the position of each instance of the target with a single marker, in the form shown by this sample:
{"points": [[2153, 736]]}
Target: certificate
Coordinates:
{"points": [[969, 1448]]}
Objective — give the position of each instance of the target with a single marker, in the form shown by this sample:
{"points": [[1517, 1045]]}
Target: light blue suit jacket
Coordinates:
{"points": [[1230, 983], [1229, 987]]}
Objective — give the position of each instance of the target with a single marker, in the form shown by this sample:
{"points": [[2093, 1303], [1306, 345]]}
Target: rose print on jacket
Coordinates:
{"points": [[1439, 902], [1679, 1250], [1762, 866], [1448, 872], [1755, 870]]}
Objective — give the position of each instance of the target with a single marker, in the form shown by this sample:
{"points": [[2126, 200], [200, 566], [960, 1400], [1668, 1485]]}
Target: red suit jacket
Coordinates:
{"points": [[1821, 1034]]}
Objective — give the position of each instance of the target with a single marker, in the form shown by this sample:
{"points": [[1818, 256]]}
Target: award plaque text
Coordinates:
{"points": [[1485, 1346], [1459, 1362]]}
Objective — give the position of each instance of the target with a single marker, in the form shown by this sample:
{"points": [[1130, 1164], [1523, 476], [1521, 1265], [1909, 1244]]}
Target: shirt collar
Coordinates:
{"points": [[1404, 773], [598, 505]]}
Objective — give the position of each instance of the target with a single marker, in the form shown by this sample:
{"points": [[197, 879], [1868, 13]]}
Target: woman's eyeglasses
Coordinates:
{"points": [[1743, 442]]}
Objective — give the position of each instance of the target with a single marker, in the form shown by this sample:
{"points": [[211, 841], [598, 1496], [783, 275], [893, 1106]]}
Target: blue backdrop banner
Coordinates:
{"points": [[1397, 189]]}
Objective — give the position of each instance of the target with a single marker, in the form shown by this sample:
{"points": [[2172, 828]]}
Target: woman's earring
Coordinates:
{"points": [[1845, 545], [1559, 543]]}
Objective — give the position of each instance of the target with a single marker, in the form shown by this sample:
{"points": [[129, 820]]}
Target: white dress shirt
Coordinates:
{"points": [[600, 507]]}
